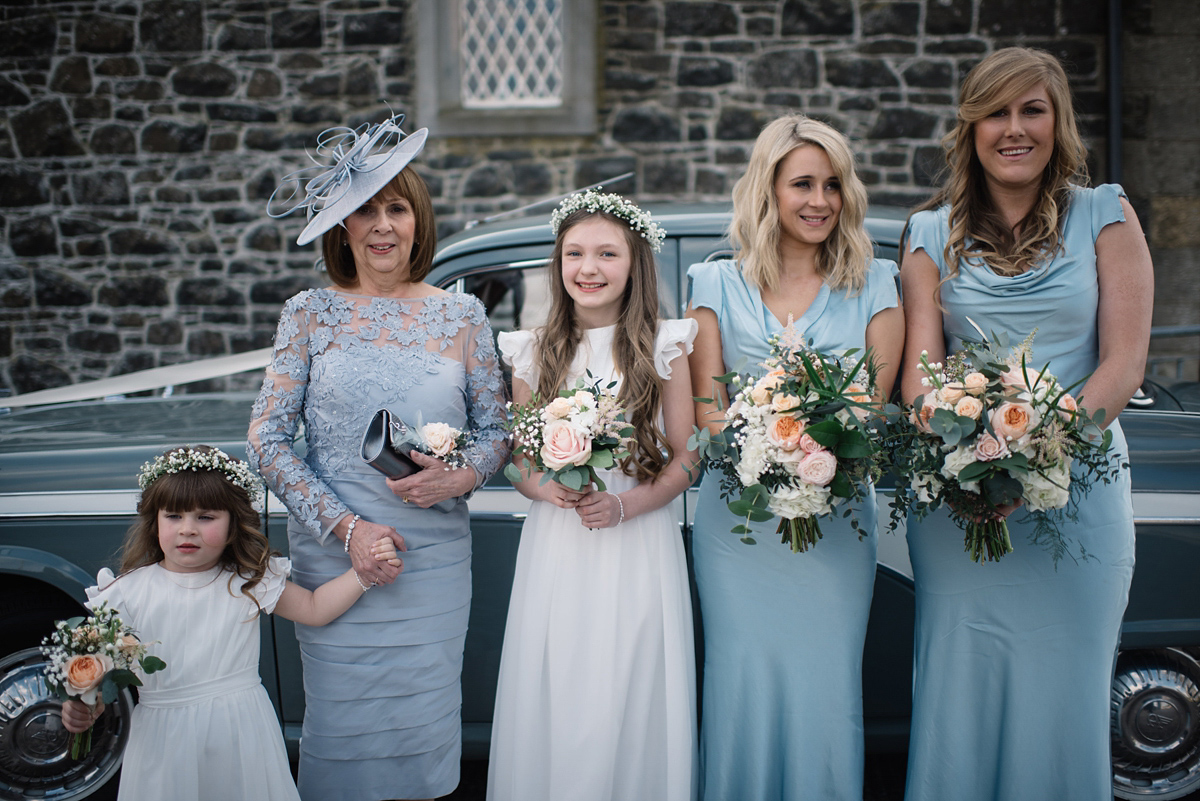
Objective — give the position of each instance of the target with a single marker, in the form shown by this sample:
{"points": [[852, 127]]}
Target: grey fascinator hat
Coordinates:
{"points": [[363, 159]]}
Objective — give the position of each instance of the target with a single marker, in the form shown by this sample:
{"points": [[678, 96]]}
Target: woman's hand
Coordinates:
{"points": [[557, 494], [78, 717], [365, 550], [600, 510], [435, 482]]}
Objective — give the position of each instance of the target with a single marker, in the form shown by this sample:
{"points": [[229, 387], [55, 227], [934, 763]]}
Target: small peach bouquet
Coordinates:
{"points": [[92, 659], [797, 441], [571, 437], [994, 431], [439, 440]]}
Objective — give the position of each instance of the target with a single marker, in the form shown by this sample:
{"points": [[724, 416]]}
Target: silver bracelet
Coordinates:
{"points": [[365, 587], [622, 505], [350, 533]]}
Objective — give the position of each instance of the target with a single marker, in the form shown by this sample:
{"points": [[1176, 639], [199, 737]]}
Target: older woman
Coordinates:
{"points": [[1014, 659], [381, 683]]}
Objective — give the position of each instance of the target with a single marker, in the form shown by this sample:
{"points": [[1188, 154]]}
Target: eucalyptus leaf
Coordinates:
{"points": [[512, 473]]}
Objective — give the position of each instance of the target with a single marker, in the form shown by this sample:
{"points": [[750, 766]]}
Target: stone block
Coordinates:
{"points": [[641, 15], [144, 290], [857, 103], [1153, 169], [205, 79], [223, 317], [91, 246], [263, 83], [145, 90], [665, 177], [760, 27], [361, 79], [928, 163], [35, 35], [817, 18], [167, 136], [207, 292], [164, 332], [377, 28], [1175, 221], [624, 80], [103, 33], [28, 374], [33, 236], [134, 362], [698, 18], [887, 47], [794, 68], [704, 72], [486, 181], [206, 343], [954, 47], [200, 246], [295, 29], [321, 86], [645, 124], [130, 114], [72, 76], [948, 17], [140, 242], [903, 123], [741, 123], [44, 130], [53, 288], [234, 36], [11, 94], [100, 188], [734, 46], [889, 158], [590, 171], [631, 40], [1078, 55], [531, 179], [789, 100], [239, 112], [276, 291], [94, 341], [264, 238], [1016, 18], [890, 19], [218, 194], [256, 340], [317, 113], [930, 74], [172, 26], [711, 182], [859, 73], [119, 67]]}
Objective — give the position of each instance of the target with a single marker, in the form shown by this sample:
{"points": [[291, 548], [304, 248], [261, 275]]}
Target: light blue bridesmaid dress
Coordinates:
{"points": [[783, 633], [1014, 659]]}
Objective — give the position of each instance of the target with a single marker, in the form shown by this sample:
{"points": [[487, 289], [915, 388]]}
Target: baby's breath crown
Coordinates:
{"points": [[595, 201], [180, 459]]}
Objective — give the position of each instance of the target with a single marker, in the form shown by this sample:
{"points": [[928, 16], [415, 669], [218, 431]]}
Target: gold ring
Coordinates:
{"points": [[405, 499]]}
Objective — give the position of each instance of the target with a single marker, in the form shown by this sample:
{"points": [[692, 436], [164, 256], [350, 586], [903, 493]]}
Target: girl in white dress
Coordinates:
{"points": [[597, 688], [195, 574]]}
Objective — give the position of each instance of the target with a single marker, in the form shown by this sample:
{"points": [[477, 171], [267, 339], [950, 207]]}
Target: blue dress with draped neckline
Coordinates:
{"points": [[1014, 659], [781, 715]]}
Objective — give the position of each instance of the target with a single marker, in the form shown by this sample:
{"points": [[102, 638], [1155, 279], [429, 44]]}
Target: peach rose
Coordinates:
{"points": [[808, 444], [439, 437], [129, 645], [988, 448], [1015, 377], [557, 409], [969, 407], [921, 417], [975, 383], [1012, 420], [760, 395], [785, 432], [951, 393], [818, 468], [84, 673], [1067, 406], [564, 444], [783, 403]]}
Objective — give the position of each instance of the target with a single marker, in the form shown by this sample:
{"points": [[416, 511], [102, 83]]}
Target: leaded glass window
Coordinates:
{"points": [[511, 53]]}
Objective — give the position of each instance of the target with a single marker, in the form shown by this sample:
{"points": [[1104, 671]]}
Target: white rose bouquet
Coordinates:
{"points": [[568, 439], [91, 659], [439, 440], [797, 441], [993, 431]]}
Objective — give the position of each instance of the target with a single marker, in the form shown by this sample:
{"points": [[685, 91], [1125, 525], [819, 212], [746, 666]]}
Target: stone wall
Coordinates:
{"points": [[139, 140]]}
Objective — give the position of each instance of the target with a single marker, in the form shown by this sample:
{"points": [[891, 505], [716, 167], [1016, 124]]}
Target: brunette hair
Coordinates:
{"points": [[335, 250], [844, 258], [974, 218], [633, 345], [247, 552]]}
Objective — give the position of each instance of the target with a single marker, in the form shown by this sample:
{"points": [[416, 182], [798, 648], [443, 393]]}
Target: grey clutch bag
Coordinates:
{"points": [[378, 448]]}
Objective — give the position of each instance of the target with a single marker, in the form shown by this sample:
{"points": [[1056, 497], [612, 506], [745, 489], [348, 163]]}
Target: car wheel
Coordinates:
{"points": [[1156, 725], [34, 746]]}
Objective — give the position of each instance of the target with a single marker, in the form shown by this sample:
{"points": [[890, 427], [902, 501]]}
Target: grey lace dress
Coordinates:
{"points": [[382, 682]]}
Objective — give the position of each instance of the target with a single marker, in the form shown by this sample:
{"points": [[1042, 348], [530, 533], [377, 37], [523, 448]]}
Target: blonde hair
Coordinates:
{"points": [[633, 345], [995, 82], [844, 258]]}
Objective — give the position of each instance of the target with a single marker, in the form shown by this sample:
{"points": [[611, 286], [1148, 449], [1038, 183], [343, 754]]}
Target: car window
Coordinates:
{"points": [[517, 297]]}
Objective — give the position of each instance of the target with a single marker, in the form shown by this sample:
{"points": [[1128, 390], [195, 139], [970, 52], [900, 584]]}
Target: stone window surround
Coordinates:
{"points": [[439, 107]]}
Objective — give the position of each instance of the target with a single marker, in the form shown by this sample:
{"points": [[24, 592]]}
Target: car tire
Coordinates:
{"points": [[1156, 725]]}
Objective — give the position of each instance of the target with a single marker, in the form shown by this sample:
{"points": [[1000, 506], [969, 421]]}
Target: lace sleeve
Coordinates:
{"points": [[486, 402], [274, 420]]}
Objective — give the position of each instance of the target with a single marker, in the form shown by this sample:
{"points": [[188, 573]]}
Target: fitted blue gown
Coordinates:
{"points": [[1014, 659], [781, 717], [382, 682]]}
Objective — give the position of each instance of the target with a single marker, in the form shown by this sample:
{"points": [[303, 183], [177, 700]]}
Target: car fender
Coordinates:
{"points": [[47, 568]]}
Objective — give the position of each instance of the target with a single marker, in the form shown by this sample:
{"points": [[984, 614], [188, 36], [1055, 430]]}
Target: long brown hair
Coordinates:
{"points": [[633, 345], [992, 84], [844, 258], [339, 262], [247, 552]]}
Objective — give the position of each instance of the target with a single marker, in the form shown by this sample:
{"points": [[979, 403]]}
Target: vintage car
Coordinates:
{"points": [[68, 491]]}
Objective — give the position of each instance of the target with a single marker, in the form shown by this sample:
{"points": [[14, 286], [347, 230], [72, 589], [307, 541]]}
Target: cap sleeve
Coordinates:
{"points": [[274, 579], [881, 286], [517, 351], [927, 230], [1106, 206], [675, 337], [107, 589], [708, 284]]}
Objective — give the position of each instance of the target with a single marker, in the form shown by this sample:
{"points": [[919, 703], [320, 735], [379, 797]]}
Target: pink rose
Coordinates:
{"points": [[84, 672], [988, 448], [1012, 420], [785, 432], [565, 444], [818, 468], [808, 444], [1067, 407], [975, 383]]}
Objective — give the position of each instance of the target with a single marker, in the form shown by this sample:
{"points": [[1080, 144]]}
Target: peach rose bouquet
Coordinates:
{"points": [[798, 440], [993, 431], [439, 440], [570, 437], [91, 659]]}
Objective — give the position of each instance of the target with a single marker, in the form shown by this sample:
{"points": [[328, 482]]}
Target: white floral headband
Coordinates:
{"points": [[236, 471], [594, 201]]}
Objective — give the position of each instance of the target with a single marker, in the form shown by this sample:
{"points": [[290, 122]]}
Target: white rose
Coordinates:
{"points": [[955, 461], [557, 409], [439, 437], [1051, 491], [927, 487], [818, 467], [804, 500]]}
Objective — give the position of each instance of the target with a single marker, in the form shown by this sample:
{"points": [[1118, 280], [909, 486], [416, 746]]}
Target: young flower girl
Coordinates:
{"points": [[195, 574], [596, 695]]}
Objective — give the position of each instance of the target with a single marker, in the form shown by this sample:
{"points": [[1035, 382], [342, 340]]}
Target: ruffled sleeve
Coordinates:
{"points": [[708, 284], [517, 351], [107, 589], [1105, 202], [675, 338], [881, 292], [267, 591], [927, 230]]}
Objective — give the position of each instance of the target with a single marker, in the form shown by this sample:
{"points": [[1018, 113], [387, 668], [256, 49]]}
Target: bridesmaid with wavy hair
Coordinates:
{"points": [[1014, 659], [784, 632]]}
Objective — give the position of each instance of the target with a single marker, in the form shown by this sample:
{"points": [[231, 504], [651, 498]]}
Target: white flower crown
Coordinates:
{"points": [[594, 201], [236, 471]]}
